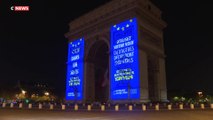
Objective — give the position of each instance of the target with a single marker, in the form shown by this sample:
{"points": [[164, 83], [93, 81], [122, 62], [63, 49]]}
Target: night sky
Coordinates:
{"points": [[33, 46]]}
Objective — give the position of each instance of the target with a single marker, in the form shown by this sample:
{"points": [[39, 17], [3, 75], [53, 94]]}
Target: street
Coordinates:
{"points": [[24, 114]]}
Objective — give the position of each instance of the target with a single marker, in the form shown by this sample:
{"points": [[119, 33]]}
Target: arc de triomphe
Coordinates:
{"points": [[116, 54]]}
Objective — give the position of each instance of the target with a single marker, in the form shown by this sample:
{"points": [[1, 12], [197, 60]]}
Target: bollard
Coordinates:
{"points": [[169, 107], [51, 106], [116, 107], [181, 106], [202, 106], [89, 108], [20, 105], [130, 107], [211, 106], [63, 107], [102, 107], [157, 107], [4, 105], [76, 107], [192, 106], [30, 106], [144, 107], [39, 106], [11, 105]]}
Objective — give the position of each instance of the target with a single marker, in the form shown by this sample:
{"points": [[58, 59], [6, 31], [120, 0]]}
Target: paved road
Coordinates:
{"points": [[16, 114]]}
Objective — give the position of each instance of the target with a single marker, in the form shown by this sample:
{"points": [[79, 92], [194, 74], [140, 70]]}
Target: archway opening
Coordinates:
{"points": [[152, 76], [99, 56]]}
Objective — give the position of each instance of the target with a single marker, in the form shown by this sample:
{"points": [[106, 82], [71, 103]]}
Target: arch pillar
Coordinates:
{"points": [[89, 88]]}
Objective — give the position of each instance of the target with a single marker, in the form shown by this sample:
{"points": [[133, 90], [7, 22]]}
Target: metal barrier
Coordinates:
{"points": [[103, 107]]}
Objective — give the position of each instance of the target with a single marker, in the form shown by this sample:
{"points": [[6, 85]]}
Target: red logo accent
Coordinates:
{"points": [[21, 8]]}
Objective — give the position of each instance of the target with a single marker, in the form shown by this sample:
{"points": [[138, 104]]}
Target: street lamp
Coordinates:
{"points": [[200, 94], [23, 92], [47, 93]]}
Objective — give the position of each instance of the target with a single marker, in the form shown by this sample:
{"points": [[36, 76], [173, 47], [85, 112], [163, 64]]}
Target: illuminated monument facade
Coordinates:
{"points": [[116, 54]]}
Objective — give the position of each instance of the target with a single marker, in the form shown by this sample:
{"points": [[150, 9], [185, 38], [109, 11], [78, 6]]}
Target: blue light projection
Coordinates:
{"points": [[75, 70], [124, 73]]}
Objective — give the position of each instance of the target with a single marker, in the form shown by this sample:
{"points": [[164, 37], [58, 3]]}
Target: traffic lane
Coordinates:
{"points": [[14, 114]]}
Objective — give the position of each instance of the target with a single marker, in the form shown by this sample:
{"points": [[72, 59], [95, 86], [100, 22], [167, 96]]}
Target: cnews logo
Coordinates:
{"points": [[20, 8]]}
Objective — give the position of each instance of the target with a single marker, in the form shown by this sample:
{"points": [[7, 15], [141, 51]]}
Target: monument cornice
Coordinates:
{"points": [[103, 15], [100, 16]]}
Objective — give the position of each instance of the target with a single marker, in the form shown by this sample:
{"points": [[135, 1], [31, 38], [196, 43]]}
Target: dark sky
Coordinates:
{"points": [[33, 46]]}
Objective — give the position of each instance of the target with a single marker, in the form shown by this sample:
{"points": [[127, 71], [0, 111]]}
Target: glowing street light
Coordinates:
{"points": [[47, 93], [200, 94], [23, 92]]}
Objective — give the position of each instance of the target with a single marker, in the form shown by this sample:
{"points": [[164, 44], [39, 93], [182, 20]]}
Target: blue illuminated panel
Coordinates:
{"points": [[124, 74], [75, 70]]}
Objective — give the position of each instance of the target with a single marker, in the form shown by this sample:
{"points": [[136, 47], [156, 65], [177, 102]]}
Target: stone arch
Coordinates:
{"points": [[97, 70]]}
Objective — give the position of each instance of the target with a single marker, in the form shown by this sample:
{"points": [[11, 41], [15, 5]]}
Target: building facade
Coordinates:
{"points": [[116, 54]]}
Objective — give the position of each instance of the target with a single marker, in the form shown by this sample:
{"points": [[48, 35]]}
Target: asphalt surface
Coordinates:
{"points": [[24, 114]]}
